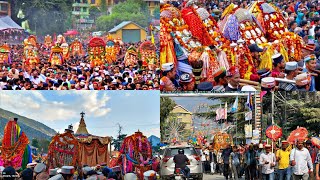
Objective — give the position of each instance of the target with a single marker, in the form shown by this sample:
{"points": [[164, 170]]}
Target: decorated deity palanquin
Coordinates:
{"points": [[31, 51], [135, 155], [111, 51], [96, 50], [65, 50], [48, 41], [76, 48], [63, 150], [56, 56], [131, 56], [4, 54], [147, 53], [221, 140]]}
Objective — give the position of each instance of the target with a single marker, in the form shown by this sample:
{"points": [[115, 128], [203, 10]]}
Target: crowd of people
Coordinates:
{"points": [[260, 161], [302, 18], [39, 171], [76, 73]]}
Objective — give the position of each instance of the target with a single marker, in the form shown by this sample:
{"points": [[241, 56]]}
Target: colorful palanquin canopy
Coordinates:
{"points": [[93, 149], [15, 151], [135, 155]]}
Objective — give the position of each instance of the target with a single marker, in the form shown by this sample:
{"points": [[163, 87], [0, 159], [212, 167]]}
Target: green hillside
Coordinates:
{"points": [[32, 128]]}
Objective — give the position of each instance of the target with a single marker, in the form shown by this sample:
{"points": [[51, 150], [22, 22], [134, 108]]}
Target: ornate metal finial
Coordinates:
{"points": [[82, 114]]}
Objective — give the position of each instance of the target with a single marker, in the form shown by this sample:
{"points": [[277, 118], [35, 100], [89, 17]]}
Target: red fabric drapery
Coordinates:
{"points": [[93, 153]]}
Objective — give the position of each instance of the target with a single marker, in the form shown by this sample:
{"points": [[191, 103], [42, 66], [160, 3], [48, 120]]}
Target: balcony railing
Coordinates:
{"points": [[80, 5]]}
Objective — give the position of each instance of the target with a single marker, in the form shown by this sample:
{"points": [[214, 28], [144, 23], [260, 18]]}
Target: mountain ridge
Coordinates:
{"points": [[32, 128]]}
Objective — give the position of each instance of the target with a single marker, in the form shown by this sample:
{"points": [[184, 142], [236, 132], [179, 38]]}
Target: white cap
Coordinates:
{"points": [[268, 82], [248, 88], [53, 172], [40, 167], [86, 169], [150, 173], [167, 66], [67, 170], [276, 55], [261, 146], [240, 41], [130, 176], [82, 64], [1, 168], [57, 177]]}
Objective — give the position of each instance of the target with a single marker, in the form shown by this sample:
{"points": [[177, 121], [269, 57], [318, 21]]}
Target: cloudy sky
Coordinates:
{"points": [[133, 110]]}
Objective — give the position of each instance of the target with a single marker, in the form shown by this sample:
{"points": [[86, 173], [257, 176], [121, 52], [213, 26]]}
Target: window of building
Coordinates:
{"points": [[93, 1], [3, 7]]}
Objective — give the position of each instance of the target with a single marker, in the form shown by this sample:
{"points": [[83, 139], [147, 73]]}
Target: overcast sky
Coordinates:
{"points": [[104, 109]]}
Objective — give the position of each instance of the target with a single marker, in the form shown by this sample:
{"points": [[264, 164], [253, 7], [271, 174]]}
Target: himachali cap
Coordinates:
{"points": [[53, 172], [264, 73], [232, 71], [260, 146], [57, 177], [303, 78], [268, 82], [185, 77], [167, 66], [40, 167], [67, 170], [277, 58], [248, 88], [284, 142], [86, 169], [31, 165], [267, 146], [150, 173], [130, 176], [309, 58], [205, 86], [219, 74], [290, 66]]}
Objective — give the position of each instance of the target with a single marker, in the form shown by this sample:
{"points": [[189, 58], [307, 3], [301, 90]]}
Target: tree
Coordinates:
{"points": [[166, 106], [45, 17], [35, 143], [117, 142], [130, 10], [156, 13], [103, 7], [43, 145]]}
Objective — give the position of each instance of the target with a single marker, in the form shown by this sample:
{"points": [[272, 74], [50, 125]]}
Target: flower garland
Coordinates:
{"points": [[181, 32], [293, 44], [62, 147], [251, 33], [245, 63]]}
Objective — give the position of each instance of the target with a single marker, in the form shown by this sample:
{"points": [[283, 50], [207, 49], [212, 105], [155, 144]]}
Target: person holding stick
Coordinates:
{"points": [[267, 161], [300, 160]]}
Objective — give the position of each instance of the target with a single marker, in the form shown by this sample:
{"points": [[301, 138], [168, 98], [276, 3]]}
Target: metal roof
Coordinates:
{"points": [[122, 25]]}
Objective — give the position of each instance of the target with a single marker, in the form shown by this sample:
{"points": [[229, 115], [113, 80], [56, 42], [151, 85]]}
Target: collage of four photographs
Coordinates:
{"points": [[159, 89]]}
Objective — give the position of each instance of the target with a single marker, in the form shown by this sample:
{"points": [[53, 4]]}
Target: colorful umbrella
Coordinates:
{"points": [[274, 132], [299, 134], [316, 141]]}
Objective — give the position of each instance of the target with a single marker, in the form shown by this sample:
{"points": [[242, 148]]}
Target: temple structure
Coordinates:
{"points": [[93, 149]]}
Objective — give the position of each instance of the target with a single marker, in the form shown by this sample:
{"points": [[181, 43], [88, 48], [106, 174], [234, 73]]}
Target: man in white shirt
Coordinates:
{"points": [[267, 161], [301, 162]]}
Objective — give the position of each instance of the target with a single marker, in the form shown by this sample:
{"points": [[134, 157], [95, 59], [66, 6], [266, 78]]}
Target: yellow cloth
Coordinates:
{"points": [[284, 158]]}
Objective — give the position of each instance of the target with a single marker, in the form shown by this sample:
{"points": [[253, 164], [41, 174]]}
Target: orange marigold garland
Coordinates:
{"points": [[63, 150]]}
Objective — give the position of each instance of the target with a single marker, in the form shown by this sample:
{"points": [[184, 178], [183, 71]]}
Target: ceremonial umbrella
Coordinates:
{"points": [[316, 141], [274, 132], [298, 134]]}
